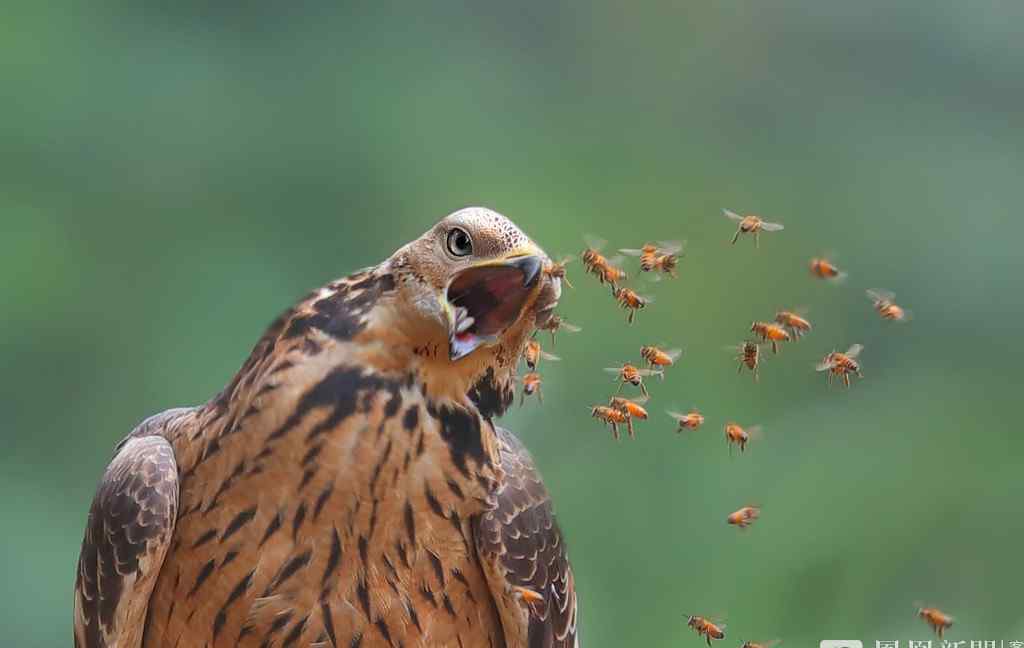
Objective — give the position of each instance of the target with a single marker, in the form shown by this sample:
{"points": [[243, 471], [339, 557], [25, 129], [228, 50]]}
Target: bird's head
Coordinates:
{"points": [[478, 282]]}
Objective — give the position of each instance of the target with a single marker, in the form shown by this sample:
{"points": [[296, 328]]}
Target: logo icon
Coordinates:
{"points": [[841, 643]]}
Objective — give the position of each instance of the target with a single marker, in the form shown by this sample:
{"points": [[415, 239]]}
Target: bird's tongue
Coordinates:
{"points": [[492, 297]]}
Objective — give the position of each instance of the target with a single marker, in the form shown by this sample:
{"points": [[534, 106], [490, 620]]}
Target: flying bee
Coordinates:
{"points": [[736, 435], [938, 620], [555, 323], [631, 301], [606, 270], [744, 517], [763, 644], [886, 307], [751, 225], [842, 364], [611, 416], [706, 628], [770, 332], [658, 358], [532, 354], [822, 268], [794, 321], [749, 355], [627, 373], [689, 421], [662, 257], [557, 270], [531, 386], [632, 408]]}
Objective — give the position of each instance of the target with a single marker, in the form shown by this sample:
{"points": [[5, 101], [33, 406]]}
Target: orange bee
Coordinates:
{"points": [[555, 323], [663, 257], [938, 620], [736, 435], [706, 628], [532, 354], [627, 373], [631, 301], [744, 517], [611, 416], [842, 364], [557, 270], [658, 358], [794, 321], [531, 386], [886, 307], [769, 332], [631, 408], [822, 268], [765, 644], [689, 421], [748, 355], [603, 268], [751, 225]]}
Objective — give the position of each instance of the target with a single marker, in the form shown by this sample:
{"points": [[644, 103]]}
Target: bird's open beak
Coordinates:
{"points": [[487, 298]]}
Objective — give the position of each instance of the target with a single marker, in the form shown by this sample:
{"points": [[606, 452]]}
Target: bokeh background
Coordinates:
{"points": [[175, 174]]}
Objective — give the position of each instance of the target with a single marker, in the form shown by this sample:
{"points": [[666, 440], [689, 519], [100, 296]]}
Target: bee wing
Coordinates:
{"points": [[877, 294], [616, 260], [647, 298], [639, 400], [825, 364], [772, 643], [771, 227], [907, 316], [549, 356], [854, 350], [734, 348], [634, 252], [733, 216], [653, 277], [613, 369], [671, 247], [594, 242], [571, 328], [566, 260], [755, 432], [676, 415], [674, 354]]}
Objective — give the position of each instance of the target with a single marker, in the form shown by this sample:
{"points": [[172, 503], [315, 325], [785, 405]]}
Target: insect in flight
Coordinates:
{"points": [[557, 270], [531, 385], [555, 323], [606, 270], [706, 628], [627, 373], [658, 358], [533, 354], [884, 303], [611, 416], [771, 332], [662, 257], [842, 364], [751, 224], [749, 355], [631, 301], [822, 268], [632, 408], [938, 620], [744, 517], [795, 321], [689, 421], [739, 436]]}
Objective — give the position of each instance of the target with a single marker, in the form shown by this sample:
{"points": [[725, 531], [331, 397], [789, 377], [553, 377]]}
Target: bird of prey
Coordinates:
{"points": [[349, 487]]}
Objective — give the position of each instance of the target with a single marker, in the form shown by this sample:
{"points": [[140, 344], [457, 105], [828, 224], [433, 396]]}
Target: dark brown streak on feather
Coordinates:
{"points": [[321, 500], [272, 528], [289, 569], [300, 517], [328, 620], [222, 615], [240, 521], [204, 573], [334, 559]]}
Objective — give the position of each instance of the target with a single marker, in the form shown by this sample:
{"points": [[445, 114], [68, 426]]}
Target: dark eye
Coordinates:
{"points": [[459, 243]]}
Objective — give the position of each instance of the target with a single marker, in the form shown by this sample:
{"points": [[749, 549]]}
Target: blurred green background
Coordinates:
{"points": [[175, 174]]}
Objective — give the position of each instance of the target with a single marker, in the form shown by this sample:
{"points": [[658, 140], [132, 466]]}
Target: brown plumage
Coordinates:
{"points": [[348, 487]]}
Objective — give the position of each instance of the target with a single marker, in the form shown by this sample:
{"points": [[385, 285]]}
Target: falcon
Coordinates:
{"points": [[348, 487]]}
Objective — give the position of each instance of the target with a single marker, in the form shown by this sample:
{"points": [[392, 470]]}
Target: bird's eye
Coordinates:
{"points": [[459, 243]]}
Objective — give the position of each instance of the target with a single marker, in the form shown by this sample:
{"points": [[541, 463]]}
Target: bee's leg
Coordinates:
{"points": [[757, 239], [540, 395], [615, 430], [739, 368], [629, 426], [643, 389], [736, 236]]}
